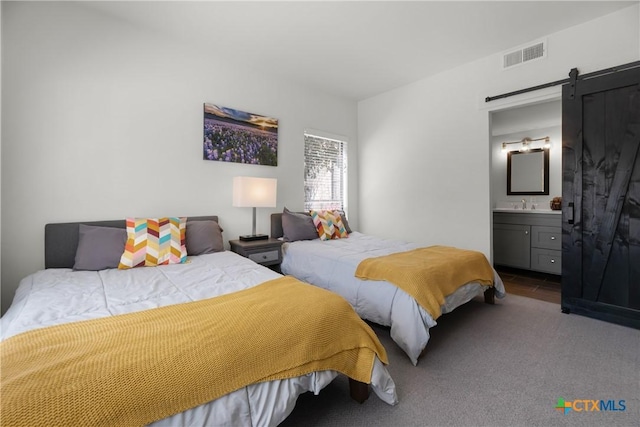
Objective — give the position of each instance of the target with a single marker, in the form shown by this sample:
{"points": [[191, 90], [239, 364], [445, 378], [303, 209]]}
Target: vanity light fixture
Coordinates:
{"points": [[526, 144]]}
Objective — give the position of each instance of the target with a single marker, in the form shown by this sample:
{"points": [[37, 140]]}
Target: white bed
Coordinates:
{"points": [[331, 264], [62, 295]]}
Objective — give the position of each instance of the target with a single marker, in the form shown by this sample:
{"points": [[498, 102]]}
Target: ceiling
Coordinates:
{"points": [[356, 49]]}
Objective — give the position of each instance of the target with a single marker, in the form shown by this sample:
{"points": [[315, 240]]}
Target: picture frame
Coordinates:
{"points": [[232, 135]]}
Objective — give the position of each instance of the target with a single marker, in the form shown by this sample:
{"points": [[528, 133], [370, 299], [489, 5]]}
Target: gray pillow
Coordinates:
{"points": [[99, 248], [344, 221], [203, 237], [297, 226]]}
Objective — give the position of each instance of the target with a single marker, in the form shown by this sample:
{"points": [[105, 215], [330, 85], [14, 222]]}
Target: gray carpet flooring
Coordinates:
{"points": [[501, 365]]}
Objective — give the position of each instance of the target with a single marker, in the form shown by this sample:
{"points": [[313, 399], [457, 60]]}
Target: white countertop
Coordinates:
{"points": [[536, 211]]}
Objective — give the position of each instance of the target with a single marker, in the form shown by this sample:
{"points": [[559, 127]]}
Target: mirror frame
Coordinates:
{"points": [[545, 160]]}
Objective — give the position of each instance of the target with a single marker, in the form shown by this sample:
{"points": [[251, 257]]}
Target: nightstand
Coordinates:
{"points": [[266, 252]]}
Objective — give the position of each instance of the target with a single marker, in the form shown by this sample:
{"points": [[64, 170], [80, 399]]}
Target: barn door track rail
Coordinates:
{"points": [[573, 77]]}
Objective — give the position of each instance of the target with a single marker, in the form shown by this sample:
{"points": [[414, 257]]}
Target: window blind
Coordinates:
{"points": [[325, 173]]}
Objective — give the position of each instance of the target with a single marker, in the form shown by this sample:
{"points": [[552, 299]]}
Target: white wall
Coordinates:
{"points": [[103, 120], [1, 56], [425, 148]]}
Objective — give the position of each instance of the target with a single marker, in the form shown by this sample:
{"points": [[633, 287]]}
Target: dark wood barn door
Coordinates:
{"points": [[601, 197]]}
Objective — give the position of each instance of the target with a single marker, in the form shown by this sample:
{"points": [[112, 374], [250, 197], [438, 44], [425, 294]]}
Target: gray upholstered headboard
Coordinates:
{"points": [[61, 239], [276, 225]]}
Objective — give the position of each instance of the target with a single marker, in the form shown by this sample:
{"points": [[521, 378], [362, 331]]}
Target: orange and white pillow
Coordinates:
{"points": [[154, 241], [328, 224]]}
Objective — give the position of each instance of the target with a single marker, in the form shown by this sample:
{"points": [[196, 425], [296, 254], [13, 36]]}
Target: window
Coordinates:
{"points": [[325, 172]]}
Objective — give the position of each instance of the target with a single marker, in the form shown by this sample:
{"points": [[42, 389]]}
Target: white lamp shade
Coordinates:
{"points": [[250, 192]]}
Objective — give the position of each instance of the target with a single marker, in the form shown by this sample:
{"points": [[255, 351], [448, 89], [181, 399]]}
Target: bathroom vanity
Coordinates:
{"points": [[528, 239]]}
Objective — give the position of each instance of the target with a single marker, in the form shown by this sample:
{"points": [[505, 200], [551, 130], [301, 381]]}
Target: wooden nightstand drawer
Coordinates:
{"points": [[262, 257], [266, 252]]}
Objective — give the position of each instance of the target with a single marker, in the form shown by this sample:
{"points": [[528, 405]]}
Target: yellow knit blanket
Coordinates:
{"points": [[137, 368], [429, 274]]}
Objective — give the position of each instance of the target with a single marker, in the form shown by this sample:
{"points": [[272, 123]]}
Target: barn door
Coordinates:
{"points": [[601, 197]]}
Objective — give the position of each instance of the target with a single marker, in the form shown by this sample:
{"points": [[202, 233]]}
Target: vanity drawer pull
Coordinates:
{"points": [[553, 261], [553, 237]]}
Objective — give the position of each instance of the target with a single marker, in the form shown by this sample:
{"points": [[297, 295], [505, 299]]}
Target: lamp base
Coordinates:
{"points": [[252, 237]]}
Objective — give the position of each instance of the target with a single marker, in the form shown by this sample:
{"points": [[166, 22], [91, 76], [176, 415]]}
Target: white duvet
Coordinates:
{"points": [[56, 296], [331, 264]]}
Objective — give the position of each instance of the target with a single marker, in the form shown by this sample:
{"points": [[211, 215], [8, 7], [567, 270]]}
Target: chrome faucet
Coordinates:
{"points": [[524, 204]]}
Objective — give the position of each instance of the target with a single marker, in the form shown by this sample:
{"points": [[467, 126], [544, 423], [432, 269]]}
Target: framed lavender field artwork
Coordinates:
{"points": [[235, 136]]}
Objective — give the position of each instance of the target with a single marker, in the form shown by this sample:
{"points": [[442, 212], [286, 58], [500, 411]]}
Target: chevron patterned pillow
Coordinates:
{"points": [[340, 228], [329, 224], [154, 241]]}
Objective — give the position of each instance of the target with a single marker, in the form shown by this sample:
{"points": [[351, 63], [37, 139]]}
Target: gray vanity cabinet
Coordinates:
{"points": [[528, 240], [512, 245]]}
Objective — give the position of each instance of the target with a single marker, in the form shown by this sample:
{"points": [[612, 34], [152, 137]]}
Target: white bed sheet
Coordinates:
{"points": [[57, 296], [331, 264]]}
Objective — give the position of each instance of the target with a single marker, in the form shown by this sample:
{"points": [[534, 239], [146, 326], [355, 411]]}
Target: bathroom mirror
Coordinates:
{"points": [[528, 172]]}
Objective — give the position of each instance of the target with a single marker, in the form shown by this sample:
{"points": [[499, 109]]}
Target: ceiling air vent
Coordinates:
{"points": [[524, 54]]}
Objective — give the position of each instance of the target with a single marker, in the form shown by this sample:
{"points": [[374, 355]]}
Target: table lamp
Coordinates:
{"points": [[250, 192]]}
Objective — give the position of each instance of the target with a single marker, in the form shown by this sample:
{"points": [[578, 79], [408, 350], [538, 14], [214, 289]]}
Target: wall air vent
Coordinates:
{"points": [[522, 55]]}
